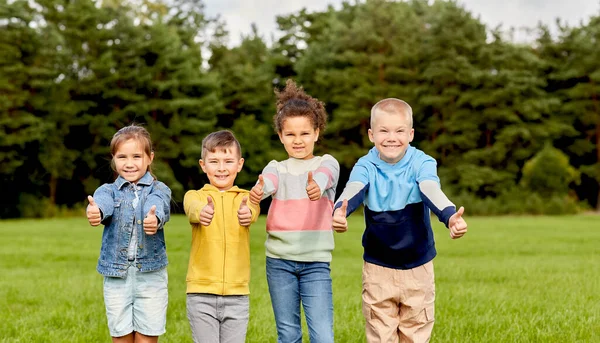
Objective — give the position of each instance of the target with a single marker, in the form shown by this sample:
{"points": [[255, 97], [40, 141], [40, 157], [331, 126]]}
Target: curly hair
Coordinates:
{"points": [[292, 101]]}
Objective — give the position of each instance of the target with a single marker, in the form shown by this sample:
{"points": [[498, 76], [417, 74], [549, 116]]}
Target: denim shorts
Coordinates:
{"points": [[137, 302]]}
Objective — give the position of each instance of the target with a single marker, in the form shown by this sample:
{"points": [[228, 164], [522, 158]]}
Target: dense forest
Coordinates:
{"points": [[515, 127]]}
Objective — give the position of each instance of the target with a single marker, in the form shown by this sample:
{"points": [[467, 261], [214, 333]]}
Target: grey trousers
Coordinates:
{"points": [[218, 318]]}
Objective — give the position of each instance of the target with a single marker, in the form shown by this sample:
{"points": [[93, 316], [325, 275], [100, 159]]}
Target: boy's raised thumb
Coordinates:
{"points": [[91, 200], [344, 206], [152, 210], [244, 201], [310, 177], [209, 201], [460, 212]]}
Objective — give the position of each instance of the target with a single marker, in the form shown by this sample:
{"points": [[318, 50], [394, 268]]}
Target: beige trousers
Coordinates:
{"points": [[398, 305]]}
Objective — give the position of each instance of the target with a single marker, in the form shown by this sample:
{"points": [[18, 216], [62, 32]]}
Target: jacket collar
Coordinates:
{"points": [[146, 180], [211, 188]]}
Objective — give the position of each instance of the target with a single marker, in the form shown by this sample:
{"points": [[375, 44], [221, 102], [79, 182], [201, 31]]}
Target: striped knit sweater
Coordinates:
{"points": [[299, 229]]}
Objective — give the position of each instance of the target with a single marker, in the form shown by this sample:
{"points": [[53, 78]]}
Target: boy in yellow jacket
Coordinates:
{"points": [[219, 268]]}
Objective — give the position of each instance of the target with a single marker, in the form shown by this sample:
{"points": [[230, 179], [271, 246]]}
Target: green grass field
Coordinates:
{"points": [[510, 279]]}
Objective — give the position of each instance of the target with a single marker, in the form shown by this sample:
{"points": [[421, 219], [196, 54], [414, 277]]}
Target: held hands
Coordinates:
{"points": [[457, 225], [312, 188], [244, 214], [256, 192], [93, 212], [207, 213], [151, 221], [340, 223]]}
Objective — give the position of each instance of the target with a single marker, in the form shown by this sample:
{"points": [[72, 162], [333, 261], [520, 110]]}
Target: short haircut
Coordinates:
{"points": [[392, 105], [293, 101], [220, 140]]}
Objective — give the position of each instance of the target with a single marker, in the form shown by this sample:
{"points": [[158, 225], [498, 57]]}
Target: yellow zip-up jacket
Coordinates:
{"points": [[220, 255]]}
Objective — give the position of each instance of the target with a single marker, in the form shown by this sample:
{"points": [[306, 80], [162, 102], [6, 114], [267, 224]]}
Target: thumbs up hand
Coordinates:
{"points": [[151, 222], [312, 188], [93, 212], [244, 214], [457, 224], [340, 223], [207, 213], [256, 193]]}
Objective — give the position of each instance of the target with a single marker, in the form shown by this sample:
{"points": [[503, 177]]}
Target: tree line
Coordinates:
{"points": [[515, 127]]}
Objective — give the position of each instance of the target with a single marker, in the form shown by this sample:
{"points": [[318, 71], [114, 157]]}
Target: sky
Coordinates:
{"points": [[240, 14]]}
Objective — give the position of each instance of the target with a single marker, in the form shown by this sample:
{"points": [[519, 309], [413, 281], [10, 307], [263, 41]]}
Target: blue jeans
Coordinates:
{"points": [[309, 283]]}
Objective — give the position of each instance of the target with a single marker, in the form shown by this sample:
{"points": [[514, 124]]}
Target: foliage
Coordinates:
{"points": [[74, 72], [549, 173]]}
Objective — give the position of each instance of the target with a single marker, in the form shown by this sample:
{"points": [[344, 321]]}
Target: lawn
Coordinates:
{"points": [[510, 279]]}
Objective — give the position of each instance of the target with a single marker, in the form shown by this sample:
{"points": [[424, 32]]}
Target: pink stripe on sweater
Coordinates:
{"points": [[327, 172], [300, 215], [273, 179]]}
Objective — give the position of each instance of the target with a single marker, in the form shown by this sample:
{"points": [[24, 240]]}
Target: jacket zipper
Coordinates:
{"points": [[224, 240]]}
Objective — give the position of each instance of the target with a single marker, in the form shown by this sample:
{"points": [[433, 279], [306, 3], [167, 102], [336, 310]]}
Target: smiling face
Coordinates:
{"points": [[391, 132], [222, 166], [131, 161], [298, 137]]}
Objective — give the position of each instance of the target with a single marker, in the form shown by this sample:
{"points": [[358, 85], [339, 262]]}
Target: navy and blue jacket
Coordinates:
{"points": [[397, 200], [120, 218]]}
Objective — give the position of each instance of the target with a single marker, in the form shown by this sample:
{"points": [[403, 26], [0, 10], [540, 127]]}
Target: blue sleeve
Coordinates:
{"points": [[355, 190], [427, 170], [105, 199], [159, 196]]}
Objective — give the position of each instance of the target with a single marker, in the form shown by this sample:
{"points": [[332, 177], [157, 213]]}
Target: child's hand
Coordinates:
{"points": [[244, 214], [312, 189], [457, 225], [206, 215], [340, 223], [256, 192], [151, 222], [93, 212]]}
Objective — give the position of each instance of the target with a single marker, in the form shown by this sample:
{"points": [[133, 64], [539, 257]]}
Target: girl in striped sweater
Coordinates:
{"points": [[299, 235]]}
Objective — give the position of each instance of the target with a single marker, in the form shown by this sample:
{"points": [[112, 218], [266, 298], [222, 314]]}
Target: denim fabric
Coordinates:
{"points": [[120, 218], [293, 283], [137, 303]]}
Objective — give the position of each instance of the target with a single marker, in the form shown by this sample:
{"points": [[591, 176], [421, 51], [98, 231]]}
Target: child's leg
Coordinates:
{"points": [[381, 297], [417, 309], [124, 339], [282, 277], [317, 300], [235, 314], [150, 304], [118, 300], [139, 338], [202, 313]]}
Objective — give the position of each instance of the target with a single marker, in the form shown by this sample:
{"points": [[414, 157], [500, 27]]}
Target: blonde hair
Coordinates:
{"points": [[220, 140], [392, 105], [133, 131]]}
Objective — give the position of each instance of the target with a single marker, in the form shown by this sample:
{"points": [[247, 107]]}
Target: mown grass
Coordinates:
{"points": [[511, 279]]}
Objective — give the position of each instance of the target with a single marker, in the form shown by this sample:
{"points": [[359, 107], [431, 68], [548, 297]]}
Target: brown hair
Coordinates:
{"points": [[393, 105], [132, 131], [294, 102], [220, 140]]}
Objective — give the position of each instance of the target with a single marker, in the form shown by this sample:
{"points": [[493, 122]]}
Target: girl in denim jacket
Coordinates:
{"points": [[133, 259]]}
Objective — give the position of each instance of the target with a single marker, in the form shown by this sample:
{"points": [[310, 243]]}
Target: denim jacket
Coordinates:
{"points": [[115, 201]]}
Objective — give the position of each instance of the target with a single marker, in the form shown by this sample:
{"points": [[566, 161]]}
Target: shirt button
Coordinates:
{"points": [[139, 221], [139, 188]]}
